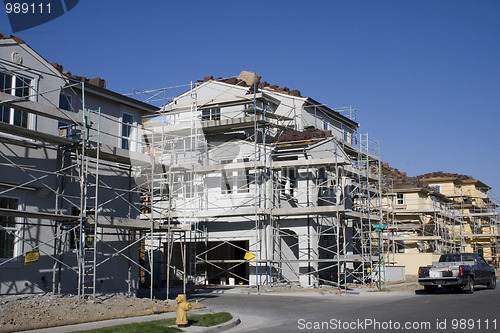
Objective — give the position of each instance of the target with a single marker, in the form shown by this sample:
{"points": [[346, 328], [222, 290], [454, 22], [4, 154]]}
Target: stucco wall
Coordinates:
{"points": [[412, 261]]}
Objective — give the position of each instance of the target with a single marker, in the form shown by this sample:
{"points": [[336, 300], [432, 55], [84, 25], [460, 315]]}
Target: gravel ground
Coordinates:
{"points": [[24, 312]]}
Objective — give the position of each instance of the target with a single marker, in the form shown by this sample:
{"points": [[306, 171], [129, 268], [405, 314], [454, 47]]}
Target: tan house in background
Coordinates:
{"points": [[479, 231], [433, 214]]}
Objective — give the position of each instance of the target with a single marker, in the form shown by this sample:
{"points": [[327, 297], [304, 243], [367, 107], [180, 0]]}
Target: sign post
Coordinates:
{"points": [[379, 228]]}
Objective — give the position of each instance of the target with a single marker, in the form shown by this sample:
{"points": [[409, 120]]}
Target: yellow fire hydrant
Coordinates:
{"points": [[182, 307]]}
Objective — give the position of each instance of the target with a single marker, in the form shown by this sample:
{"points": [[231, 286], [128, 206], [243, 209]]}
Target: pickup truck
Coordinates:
{"points": [[461, 271]]}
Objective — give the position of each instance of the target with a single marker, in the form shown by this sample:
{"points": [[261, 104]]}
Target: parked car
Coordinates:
{"points": [[461, 271]]}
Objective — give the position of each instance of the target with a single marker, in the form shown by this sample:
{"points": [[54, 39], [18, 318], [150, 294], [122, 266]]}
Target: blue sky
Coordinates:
{"points": [[423, 75]]}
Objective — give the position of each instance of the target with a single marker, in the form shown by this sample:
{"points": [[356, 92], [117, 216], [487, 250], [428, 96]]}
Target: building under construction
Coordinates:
{"points": [[436, 213], [476, 208], [70, 158], [231, 181], [257, 185]]}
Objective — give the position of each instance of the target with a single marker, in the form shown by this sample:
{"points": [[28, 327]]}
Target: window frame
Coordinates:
{"points": [[242, 178], [211, 114], [289, 181], [226, 179], [235, 181], [15, 229], [13, 90], [126, 138], [400, 200], [242, 181], [67, 99], [326, 125], [436, 187]]}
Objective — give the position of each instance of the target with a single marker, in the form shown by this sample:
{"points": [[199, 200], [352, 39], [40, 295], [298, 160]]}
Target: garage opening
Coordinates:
{"points": [[221, 263]]}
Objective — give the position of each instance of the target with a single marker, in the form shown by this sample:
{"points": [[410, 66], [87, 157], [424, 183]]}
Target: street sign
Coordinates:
{"points": [[380, 226]]}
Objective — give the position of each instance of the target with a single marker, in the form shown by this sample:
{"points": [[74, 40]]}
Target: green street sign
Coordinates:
{"points": [[380, 226]]}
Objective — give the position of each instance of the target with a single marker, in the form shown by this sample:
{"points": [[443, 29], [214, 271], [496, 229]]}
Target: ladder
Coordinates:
{"points": [[89, 202]]}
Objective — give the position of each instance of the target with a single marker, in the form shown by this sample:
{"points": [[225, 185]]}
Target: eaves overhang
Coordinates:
{"points": [[106, 93], [334, 114]]}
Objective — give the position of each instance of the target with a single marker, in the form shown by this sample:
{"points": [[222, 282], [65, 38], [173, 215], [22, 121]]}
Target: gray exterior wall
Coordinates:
{"points": [[26, 159]]}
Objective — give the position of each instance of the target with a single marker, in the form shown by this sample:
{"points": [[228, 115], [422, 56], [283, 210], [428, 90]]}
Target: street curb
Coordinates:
{"points": [[139, 319], [224, 326], [235, 321]]}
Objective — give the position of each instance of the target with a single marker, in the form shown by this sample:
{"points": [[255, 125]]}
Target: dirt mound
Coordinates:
{"points": [[25, 312]]}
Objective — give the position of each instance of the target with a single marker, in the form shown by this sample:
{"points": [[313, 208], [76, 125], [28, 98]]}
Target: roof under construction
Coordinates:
{"points": [[97, 81], [462, 179], [442, 174], [245, 79], [248, 79], [400, 179]]}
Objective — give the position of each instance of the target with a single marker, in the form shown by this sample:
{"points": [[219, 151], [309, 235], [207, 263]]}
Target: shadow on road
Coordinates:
{"points": [[448, 291]]}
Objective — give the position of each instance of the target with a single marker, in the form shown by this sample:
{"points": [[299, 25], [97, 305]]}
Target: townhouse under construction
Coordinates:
{"points": [[230, 181], [252, 192], [437, 213]]}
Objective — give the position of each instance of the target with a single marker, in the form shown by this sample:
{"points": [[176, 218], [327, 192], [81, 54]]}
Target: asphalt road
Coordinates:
{"points": [[364, 312]]}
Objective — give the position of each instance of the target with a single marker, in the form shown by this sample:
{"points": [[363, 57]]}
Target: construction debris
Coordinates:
{"points": [[97, 81], [246, 79], [309, 133], [250, 78]]}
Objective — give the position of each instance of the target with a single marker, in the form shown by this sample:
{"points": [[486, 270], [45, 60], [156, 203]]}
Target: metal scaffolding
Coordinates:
{"points": [[286, 210], [74, 162], [463, 220], [480, 232], [245, 236]]}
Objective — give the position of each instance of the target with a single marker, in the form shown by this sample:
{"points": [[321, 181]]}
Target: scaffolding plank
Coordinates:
{"points": [[37, 215], [208, 213], [481, 214], [297, 211], [39, 136], [222, 261], [233, 101], [218, 126], [414, 238], [308, 163], [38, 109], [119, 223], [481, 235], [267, 114], [233, 124], [231, 166], [404, 211], [276, 165], [126, 223], [362, 216], [230, 212], [122, 156], [457, 195]]}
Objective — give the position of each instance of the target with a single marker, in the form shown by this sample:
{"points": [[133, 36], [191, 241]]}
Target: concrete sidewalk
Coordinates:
{"points": [[312, 292], [113, 322]]}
